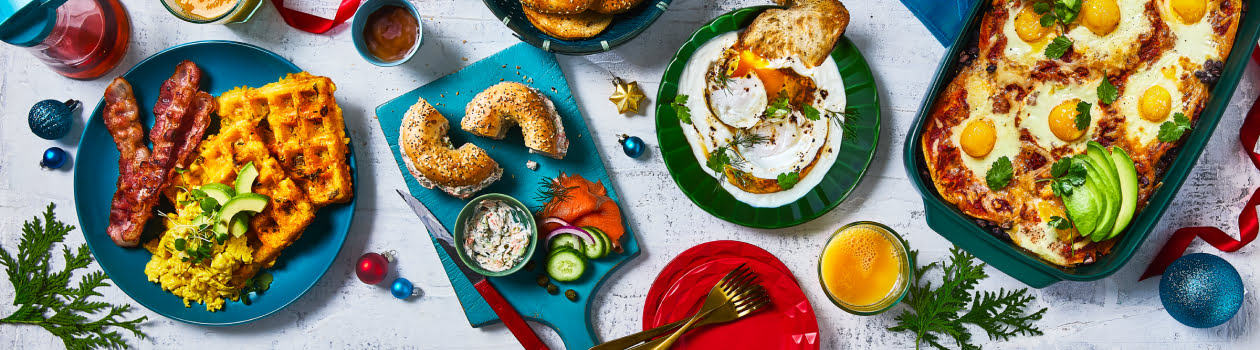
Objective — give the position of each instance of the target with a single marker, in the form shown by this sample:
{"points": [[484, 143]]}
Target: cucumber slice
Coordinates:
{"points": [[245, 178], [566, 240], [220, 192], [598, 249], [561, 249], [566, 266], [244, 202], [607, 243]]}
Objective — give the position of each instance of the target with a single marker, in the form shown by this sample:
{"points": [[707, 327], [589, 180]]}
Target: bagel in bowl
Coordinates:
{"points": [[493, 111], [434, 162]]}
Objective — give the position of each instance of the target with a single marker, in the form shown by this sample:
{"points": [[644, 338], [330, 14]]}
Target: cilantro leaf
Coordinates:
{"points": [[680, 108], [1058, 47], [789, 180], [999, 174], [1047, 19], [778, 108], [1067, 174], [1107, 93], [1171, 131], [1067, 10], [47, 299], [944, 311], [1059, 222], [810, 112], [718, 160], [1041, 7], [1082, 115]]}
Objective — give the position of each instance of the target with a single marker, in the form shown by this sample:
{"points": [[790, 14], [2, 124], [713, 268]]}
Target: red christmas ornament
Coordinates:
{"points": [[373, 267]]}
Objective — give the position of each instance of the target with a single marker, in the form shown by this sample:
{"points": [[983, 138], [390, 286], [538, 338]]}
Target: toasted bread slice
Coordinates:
{"points": [[613, 7], [569, 27], [807, 31]]}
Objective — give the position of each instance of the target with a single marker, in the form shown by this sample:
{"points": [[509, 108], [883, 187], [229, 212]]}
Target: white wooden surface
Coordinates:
{"points": [[340, 312]]}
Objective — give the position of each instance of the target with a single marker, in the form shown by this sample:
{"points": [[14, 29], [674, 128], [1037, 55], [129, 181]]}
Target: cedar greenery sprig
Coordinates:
{"points": [[45, 298], [943, 311]]}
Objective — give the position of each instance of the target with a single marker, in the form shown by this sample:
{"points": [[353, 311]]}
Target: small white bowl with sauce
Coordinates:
{"points": [[387, 32]]}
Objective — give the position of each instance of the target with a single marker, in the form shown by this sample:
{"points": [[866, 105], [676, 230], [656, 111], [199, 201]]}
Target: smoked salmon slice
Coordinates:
{"points": [[583, 203], [608, 219]]}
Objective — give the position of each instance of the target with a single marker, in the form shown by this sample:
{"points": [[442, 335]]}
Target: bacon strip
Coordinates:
{"points": [[182, 114]]}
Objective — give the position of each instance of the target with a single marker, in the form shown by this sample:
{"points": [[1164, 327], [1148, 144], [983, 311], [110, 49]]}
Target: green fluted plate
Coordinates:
{"points": [[853, 159]]}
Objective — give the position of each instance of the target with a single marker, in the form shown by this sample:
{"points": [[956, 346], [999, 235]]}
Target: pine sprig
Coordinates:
{"points": [[936, 313], [46, 299]]}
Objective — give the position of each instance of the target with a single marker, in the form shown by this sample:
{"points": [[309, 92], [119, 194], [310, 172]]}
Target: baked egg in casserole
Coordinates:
{"points": [[1055, 81]]}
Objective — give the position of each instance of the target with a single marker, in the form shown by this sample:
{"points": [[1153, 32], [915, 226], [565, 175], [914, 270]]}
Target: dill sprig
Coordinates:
{"points": [[45, 298], [549, 189], [846, 120], [946, 309], [721, 158]]}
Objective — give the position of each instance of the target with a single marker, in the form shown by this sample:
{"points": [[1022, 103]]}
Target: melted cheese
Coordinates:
{"points": [[1164, 73], [1035, 117], [1017, 50], [981, 106], [1112, 49], [1196, 41]]}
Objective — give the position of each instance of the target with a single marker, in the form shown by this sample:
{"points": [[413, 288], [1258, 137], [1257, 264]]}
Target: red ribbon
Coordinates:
{"points": [[315, 24], [1247, 223]]}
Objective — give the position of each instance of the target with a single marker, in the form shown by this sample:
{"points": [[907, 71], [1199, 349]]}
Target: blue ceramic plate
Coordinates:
{"points": [[625, 26], [225, 65]]}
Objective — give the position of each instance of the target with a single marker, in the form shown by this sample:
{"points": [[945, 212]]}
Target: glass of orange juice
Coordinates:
{"points": [[865, 268]]}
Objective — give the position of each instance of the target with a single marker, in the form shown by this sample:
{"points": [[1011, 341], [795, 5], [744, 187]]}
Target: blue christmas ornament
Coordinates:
{"points": [[54, 158], [632, 145], [402, 289], [51, 119], [1201, 290]]}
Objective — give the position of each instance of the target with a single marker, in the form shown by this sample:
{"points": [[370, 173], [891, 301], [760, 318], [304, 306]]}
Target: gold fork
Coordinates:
{"points": [[728, 286]]}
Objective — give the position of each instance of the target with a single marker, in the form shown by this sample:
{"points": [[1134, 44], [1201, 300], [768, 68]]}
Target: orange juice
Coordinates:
{"points": [[862, 266]]}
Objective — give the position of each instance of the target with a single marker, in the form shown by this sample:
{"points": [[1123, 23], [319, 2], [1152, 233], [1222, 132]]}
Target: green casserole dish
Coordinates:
{"points": [[1024, 266]]}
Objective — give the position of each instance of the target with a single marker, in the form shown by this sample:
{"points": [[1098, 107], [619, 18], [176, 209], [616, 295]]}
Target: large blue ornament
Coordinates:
{"points": [[1201, 290], [632, 145], [403, 289], [51, 119], [53, 158]]}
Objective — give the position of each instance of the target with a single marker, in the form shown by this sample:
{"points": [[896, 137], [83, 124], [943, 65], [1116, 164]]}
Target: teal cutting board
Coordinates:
{"points": [[531, 66]]}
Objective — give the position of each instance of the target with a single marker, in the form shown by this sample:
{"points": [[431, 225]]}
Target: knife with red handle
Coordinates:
{"points": [[501, 307]]}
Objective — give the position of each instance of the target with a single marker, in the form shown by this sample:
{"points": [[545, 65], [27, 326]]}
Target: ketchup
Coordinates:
{"points": [[391, 33]]}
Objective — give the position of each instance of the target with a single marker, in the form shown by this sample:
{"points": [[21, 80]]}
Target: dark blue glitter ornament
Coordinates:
{"points": [[1201, 290], [632, 145], [54, 158], [403, 289], [51, 119]]}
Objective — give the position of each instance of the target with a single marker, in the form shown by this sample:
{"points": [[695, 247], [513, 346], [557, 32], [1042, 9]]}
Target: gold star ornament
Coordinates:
{"points": [[626, 95]]}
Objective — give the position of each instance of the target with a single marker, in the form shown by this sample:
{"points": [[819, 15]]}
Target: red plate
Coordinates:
{"points": [[787, 323]]}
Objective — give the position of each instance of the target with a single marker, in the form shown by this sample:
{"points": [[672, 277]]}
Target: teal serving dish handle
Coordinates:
{"points": [[1025, 266], [461, 232]]}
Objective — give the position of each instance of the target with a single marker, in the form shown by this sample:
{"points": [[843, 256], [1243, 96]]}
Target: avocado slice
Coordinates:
{"points": [[1107, 181], [1127, 174], [243, 203], [220, 192], [1094, 178], [1084, 207], [245, 178], [239, 224]]}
